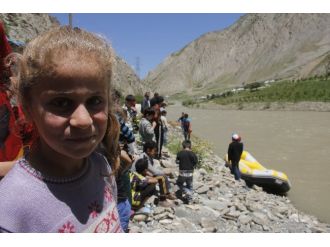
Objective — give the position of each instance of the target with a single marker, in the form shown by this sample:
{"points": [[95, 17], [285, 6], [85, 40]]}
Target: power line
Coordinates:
{"points": [[70, 20]]}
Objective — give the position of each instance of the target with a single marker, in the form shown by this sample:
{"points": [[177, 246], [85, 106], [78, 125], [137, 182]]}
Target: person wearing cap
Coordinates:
{"points": [[235, 150]]}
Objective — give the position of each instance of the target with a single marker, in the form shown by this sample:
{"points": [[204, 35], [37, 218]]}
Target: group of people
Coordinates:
{"points": [[76, 168]]}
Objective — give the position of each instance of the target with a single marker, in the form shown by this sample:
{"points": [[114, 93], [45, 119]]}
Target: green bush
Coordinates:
{"points": [[200, 147]]}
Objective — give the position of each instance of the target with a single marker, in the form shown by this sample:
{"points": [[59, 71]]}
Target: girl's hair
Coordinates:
{"points": [[42, 56]]}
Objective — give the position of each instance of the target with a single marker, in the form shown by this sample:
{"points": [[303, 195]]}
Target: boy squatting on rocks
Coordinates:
{"points": [[62, 184]]}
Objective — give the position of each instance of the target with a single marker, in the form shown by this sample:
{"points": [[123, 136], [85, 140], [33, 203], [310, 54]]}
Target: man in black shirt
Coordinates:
{"points": [[235, 150], [187, 161]]}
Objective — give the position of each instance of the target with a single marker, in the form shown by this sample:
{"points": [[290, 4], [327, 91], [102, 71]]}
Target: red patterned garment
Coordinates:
{"points": [[5, 49], [12, 147]]}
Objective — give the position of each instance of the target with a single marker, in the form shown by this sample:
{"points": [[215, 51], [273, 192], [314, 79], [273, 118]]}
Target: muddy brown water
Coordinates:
{"points": [[297, 143]]}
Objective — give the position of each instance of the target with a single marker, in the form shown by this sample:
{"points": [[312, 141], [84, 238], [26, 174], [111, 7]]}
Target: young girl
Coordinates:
{"points": [[62, 184]]}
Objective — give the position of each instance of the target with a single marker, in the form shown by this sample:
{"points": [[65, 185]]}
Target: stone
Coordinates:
{"points": [[216, 205], [208, 225], [253, 207], [211, 194], [140, 217], [233, 214], [244, 219], [197, 185], [133, 228], [161, 216], [259, 218], [271, 216], [317, 229], [245, 228], [224, 211], [240, 206], [294, 217], [203, 190], [209, 212], [159, 210], [282, 209], [186, 226], [158, 231], [266, 228], [168, 164], [202, 171], [193, 207], [170, 216], [165, 221], [182, 213]]}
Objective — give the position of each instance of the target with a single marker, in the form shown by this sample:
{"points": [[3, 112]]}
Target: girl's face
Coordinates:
{"points": [[70, 110]]}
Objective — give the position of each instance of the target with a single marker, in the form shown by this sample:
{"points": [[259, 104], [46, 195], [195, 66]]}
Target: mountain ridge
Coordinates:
{"points": [[257, 47]]}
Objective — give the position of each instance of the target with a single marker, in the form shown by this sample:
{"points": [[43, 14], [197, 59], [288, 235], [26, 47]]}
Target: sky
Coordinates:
{"points": [[145, 40]]}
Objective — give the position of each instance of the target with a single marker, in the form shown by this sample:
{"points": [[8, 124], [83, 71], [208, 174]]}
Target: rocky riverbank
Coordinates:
{"points": [[221, 204]]}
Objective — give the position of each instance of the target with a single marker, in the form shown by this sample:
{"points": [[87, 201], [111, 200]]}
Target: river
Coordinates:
{"points": [[295, 142]]}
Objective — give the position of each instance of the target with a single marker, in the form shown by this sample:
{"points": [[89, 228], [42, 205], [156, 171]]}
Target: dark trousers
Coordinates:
{"points": [[235, 171], [186, 135], [147, 192], [189, 183]]}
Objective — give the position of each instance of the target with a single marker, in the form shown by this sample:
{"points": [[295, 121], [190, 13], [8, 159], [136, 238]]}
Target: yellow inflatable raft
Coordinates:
{"points": [[254, 173]]}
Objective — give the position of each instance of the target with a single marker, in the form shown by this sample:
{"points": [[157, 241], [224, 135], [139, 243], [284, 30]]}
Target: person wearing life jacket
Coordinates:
{"points": [[235, 150]]}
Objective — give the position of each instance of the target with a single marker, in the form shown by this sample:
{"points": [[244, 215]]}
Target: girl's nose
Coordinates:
{"points": [[81, 118]]}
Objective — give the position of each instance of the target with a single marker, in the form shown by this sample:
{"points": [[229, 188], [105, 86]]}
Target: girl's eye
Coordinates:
{"points": [[95, 101], [61, 103]]}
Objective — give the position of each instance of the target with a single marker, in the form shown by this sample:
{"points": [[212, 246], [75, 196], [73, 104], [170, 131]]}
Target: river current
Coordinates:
{"points": [[297, 143]]}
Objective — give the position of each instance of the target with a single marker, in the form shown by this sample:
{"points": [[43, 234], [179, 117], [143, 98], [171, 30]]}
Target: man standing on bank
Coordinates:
{"points": [[235, 150]]}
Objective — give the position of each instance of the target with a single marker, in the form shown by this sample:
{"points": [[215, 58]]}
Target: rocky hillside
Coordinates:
{"points": [[24, 27], [125, 79], [257, 47]]}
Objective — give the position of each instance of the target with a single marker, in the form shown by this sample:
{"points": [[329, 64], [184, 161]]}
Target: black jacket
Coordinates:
{"points": [[235, 150]]}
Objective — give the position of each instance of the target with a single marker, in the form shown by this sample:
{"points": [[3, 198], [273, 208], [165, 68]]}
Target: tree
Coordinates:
{"points": [[327, 67]]}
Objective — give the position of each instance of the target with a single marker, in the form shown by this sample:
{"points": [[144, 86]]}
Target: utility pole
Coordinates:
{"points": [[70, 20], [137, 67]]}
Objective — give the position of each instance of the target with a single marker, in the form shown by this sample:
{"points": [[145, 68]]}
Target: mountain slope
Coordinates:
{"points": [[257, 47]]}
